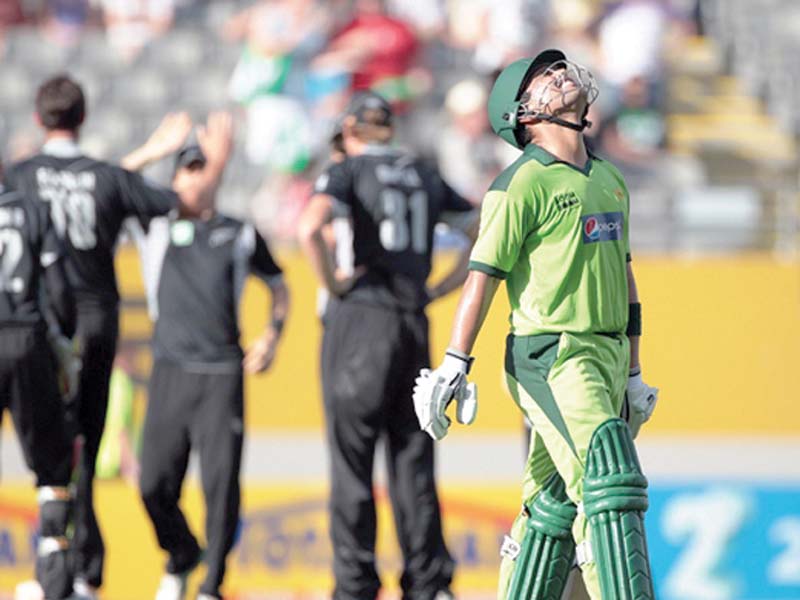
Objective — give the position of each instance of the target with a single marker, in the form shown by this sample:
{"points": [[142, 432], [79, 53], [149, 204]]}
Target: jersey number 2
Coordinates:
{"points": [[395, 231], [11, 247]]}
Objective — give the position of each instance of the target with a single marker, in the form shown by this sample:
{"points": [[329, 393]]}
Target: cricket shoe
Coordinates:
{"points": [[444, 595], [173, 585], [82, 590], [28, 590]]}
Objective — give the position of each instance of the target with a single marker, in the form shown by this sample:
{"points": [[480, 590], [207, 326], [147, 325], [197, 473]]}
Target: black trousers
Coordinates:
{"points": [[29, 389], [202, 411], [370, 358], [97, 334]]}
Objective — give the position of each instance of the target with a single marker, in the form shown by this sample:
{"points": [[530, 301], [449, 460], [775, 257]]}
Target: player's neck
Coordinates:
{"points": [[563, 143], [61, 134]]}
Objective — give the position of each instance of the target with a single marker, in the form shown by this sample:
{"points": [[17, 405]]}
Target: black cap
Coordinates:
{"points": [[188, 156], [545, 58], [370, 108]]}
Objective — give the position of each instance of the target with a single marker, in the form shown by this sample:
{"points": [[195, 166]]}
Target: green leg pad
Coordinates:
{"points": [[615, 500], [547, 550]]}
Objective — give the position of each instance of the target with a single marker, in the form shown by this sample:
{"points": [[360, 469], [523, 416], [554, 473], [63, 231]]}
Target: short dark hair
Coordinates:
{"points": [[60, 103]]}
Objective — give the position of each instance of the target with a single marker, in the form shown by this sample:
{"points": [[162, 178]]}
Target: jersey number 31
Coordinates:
{"points": [[405, 220]]}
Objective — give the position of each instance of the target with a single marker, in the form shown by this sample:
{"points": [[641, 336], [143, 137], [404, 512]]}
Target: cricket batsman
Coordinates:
{"points": [[554, 225]]}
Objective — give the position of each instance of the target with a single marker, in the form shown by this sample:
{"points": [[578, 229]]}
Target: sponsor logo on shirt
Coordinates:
{"points": [[602, 227]]}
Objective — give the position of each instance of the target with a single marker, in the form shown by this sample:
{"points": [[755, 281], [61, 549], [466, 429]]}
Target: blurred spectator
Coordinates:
{"points": [[271, 31], [634, 136], [10, 15], [65, 20], [467, 152], [427, 17], [631, 41], [378, 49], [275, 33], [497, 32], [132, 24], [513, 28]]}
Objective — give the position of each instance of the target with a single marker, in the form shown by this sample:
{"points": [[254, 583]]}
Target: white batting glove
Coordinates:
{"points": [[69, 364], [434, 390], [640, 401]]}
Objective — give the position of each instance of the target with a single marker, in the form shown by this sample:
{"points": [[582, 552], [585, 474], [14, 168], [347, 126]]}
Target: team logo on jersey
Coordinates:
{"points": [[565, 201], [602, 227], [220, 237], [182, 233]]}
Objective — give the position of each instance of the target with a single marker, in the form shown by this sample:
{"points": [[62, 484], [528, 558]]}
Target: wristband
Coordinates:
{"points": [[466, 359], [277, 326], [634, 319]]}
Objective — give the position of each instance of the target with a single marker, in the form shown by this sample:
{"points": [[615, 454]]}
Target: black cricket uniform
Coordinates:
{"points": [[89, 200], [30, 254], [375, 342], [195, 272]]}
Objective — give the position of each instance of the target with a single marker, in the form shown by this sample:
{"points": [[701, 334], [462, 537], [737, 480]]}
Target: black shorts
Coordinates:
{"points": [[29, 389]]}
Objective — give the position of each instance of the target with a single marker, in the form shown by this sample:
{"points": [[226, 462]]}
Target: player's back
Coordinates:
{"points": [[88, 201], [27, 245], [395, 201]]}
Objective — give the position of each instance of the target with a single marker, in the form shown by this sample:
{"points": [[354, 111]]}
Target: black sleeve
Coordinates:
{"points": [[337, 181], [453, 201], [60, 299], [143, 199], [261, 262]]}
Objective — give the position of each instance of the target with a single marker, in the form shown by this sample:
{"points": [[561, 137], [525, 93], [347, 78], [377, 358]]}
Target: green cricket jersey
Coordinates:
{"points": [[558, 235]]}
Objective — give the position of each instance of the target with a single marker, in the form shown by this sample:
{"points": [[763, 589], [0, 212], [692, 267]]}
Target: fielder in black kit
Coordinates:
{"points": [[195, 266], [375, 341], [88, 201], [31, 255]]}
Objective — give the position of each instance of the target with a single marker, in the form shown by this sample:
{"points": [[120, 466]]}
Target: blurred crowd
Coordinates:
{"points": [[295, 63]]}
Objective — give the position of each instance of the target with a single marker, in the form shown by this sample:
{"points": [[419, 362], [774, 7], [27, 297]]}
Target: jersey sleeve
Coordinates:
{"points": [[262, 264], [144, 199], [505, 223], [337, 181]]}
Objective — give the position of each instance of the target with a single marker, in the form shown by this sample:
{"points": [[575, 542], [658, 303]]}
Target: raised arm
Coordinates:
{"points": [[167, 139]]}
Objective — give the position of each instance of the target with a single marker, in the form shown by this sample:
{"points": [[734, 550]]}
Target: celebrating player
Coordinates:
{"points": [[554, 226], [376, 339], [88, 202], [195, 265]]}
